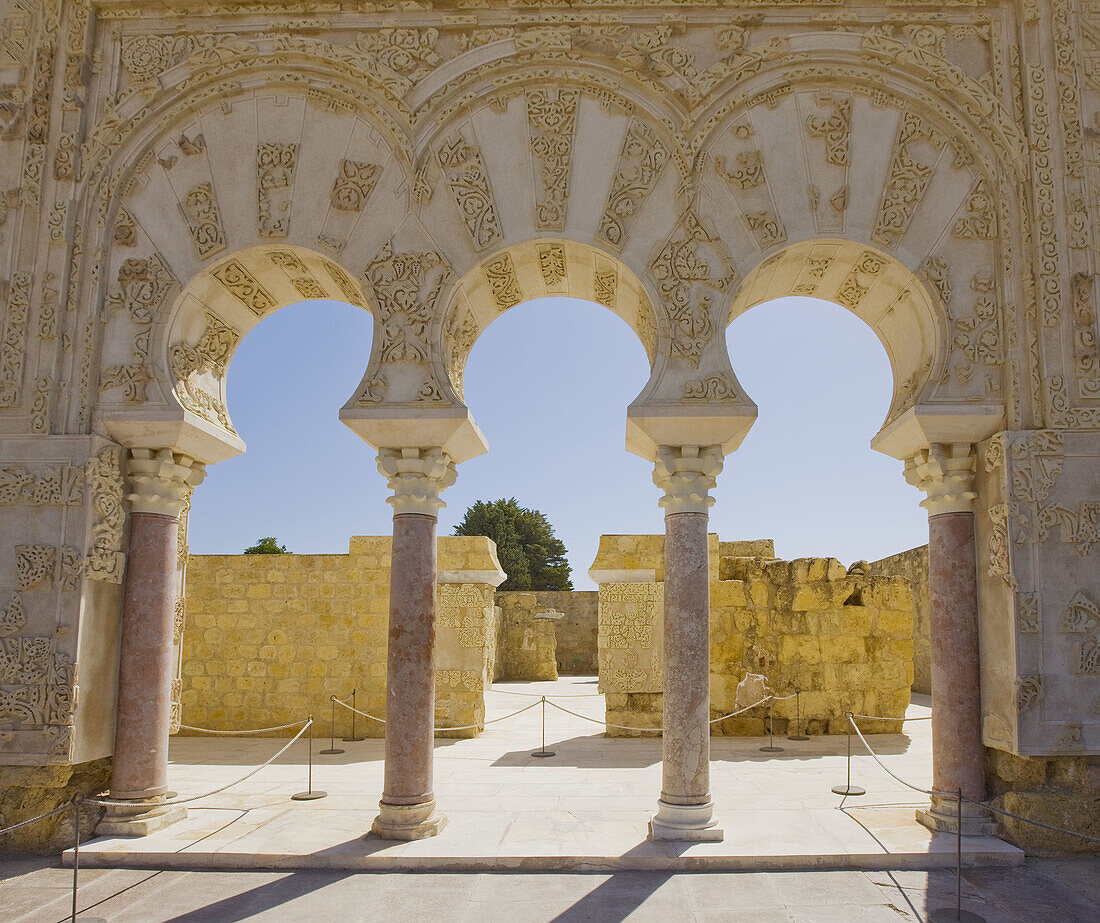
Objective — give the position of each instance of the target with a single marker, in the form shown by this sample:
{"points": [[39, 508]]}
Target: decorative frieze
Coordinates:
{"points": [[641, 160], [203, 221], [353, 185], [275, 166], [552, 122], [245, 287]]}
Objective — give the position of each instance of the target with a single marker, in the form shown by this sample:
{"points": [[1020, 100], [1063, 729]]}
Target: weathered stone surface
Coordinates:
{"points": [[32, 790], [913, 566], [843, 639], [271, 637]]}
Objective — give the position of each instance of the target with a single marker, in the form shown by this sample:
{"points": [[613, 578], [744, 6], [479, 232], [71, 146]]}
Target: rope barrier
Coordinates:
{"points": [[278, 727], [217, 791], [30, 820], [627, 727], [881, 718], [556, 695], [982, 804], [464, 727]]}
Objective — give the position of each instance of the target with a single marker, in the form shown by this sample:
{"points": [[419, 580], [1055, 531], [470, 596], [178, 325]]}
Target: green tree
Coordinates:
{"points": [[532, 557], [267, 545]]}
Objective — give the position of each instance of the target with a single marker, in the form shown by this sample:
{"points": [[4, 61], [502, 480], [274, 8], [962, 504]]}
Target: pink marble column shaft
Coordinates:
{"points": [[958, 756], [140, 768], [686, 735], [410, 669]]}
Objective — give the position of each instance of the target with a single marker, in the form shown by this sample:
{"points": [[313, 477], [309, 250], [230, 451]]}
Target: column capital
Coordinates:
{"points": [[159, 480], [945, 472], [417, 476], [687, 474]]}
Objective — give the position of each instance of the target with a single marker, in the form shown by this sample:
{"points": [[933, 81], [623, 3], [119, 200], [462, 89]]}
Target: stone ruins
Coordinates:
{"points": [[171, 174]]}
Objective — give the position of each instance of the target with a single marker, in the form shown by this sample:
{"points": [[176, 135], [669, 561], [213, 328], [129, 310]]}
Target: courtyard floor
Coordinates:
{"points": [[585, 808]]}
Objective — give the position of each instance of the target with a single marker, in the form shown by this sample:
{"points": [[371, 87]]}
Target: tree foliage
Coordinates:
{"points": [[267, 545], [532, 557]]}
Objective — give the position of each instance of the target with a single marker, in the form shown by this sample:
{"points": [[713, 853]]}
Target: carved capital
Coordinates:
{"points": [[945, 472], [417, 477], [160, 480], [687, 474]]}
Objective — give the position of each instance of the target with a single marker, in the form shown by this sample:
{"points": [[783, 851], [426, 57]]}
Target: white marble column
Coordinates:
{"points": [[946, 475], [417, 478], [139, 772], [685, 811]]}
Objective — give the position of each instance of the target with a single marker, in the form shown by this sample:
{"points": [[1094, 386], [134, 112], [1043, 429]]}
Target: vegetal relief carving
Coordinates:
{"points": [[1027, 613], [203, 221], [209, 357], [552, 266], [275, 166], [353, 185], [14, 344], [34, 564], [142, 290], [641, 160], [406, 286], [462, 333], [299, 274], [462, 166], [713, 388], [1029, 692], [501, 276], [13, 618], [1081, 615], [979, 219], [552, 121], [690, 271], [245, 287], [103, 473], [906, 183], [1086, 347], [858, 282]]}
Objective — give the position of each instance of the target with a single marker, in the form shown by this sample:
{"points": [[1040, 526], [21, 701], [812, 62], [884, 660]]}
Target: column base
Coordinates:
{"points": [[140, 819], [408, 821], [694, 822], [943, 817]]}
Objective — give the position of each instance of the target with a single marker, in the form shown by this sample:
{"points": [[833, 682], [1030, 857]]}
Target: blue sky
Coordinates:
{"points": [[549, 383]]}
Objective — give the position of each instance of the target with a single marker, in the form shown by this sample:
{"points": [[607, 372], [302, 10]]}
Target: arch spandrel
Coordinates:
{"points": [[182, 341]]}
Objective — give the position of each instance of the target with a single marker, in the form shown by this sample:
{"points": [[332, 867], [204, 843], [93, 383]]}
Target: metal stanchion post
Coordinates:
{"points": [[543, 751], [946, 914], [798, 735], [771, 747], [332, 748], [309, 794], [354, 737], [76, 863], [849, 789]]}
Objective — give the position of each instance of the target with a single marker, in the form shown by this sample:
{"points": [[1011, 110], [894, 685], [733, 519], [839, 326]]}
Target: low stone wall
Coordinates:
{"points": [[1061, 791], [844, 639], [527, 643], [574, 632], [31, 790], [269, 638], [913, 565]]}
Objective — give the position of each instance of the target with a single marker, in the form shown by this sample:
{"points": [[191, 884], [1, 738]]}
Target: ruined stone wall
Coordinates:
{"points": [[527, 642], [913, 565], [574, 632], [1063, 791], [268, 638], [844, 639]]}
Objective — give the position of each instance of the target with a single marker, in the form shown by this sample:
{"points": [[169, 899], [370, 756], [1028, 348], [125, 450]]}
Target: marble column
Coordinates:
{"points": [[139, 771], [946, 474], [407, 809], [685, 811]]}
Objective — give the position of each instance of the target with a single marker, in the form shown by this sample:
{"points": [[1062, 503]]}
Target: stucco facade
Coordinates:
{"points": [[171, 174]]}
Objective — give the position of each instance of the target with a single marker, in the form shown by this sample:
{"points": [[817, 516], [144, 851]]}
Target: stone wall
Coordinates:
{"points": [[268, 638], [842, 638], [1061, 791], [913, 565], [575, 631], [527, 639]]}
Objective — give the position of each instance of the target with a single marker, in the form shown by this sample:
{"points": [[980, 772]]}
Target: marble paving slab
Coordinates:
{"points": [[587, 807]]}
